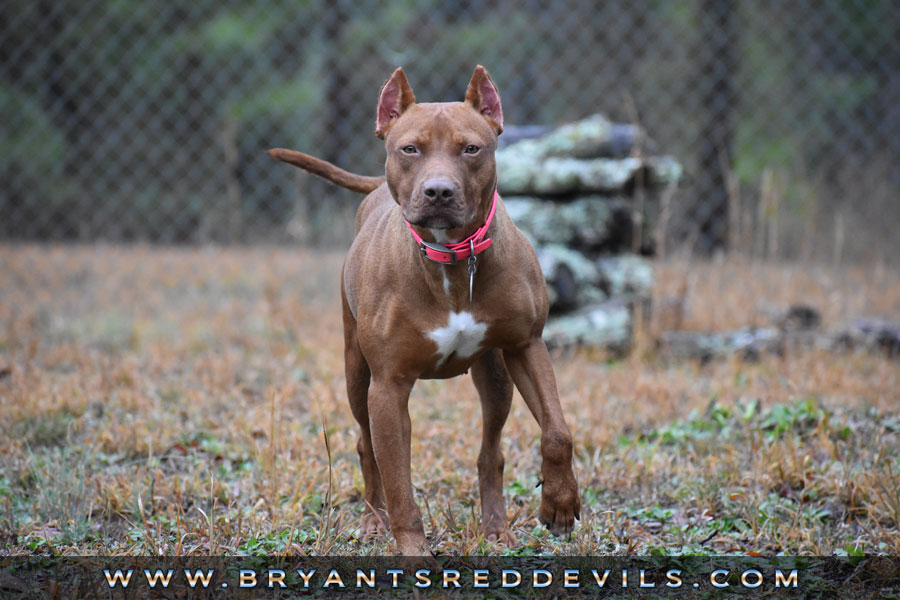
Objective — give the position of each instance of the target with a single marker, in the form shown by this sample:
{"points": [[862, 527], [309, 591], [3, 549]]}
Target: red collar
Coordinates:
{"points": [[450, 254]]}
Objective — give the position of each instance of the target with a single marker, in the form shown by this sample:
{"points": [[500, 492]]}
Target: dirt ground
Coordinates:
{"points": [[191, 401]]}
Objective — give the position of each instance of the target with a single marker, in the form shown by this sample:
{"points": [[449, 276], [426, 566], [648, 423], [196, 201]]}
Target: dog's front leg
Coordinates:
{"points": [[532, 373], [390, 426], [495, 390]]}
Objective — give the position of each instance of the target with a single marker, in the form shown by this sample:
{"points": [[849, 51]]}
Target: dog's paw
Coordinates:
{"points": [[413, 546], [503, 536], [560, 504], [374, 524]]}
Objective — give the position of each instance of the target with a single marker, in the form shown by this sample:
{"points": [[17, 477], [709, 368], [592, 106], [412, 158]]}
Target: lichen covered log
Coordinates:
{"points": [[524, 175], [591, 137]]}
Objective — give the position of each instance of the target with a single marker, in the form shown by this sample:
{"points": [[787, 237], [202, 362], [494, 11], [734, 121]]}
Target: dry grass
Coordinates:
{"points": [[177, 401], [735, 292]]}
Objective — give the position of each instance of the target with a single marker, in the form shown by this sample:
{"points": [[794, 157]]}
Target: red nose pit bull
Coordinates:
{"points": [[439, 281]]}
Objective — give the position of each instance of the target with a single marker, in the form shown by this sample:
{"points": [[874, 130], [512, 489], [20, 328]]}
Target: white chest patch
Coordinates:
{"points": [[462, 335]]}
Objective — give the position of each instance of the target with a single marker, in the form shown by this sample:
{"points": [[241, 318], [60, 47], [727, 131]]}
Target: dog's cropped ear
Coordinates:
{"points": [[396, 96], [482, 94]]}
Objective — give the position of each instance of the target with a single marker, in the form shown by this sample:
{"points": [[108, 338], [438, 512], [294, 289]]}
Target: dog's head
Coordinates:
{"points": [[440, 156]]}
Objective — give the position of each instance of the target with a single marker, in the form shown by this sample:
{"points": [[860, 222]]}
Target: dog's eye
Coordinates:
{"points": [[410, 149], [472, 149]]}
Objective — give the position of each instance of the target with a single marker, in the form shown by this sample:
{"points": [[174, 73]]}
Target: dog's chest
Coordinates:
{"points": [[461, 336]]}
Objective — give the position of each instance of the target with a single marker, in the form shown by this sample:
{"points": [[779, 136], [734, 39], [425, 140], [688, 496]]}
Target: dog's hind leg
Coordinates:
{"points": [[356, 369], [495, 390]]}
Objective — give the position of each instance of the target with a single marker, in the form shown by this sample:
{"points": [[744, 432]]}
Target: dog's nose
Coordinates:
{"points": [[439, 189]]}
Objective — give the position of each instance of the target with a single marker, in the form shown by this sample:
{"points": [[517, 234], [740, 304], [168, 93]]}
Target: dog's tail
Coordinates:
{"points": [[326, 170]]}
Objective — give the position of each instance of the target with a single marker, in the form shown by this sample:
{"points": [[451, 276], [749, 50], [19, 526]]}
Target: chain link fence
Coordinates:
{"points": [[171, 356], [137, 121]]}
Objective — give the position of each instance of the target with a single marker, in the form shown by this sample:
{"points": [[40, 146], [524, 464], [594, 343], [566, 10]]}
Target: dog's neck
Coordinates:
{"points": [[451, 281]]}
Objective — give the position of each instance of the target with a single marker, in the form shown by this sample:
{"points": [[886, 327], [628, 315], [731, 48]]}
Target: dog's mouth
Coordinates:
{"points": [[439, 220], [437, 224]]}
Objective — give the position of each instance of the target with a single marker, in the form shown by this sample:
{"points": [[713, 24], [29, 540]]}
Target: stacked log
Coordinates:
{"points": [[573, 191], [799, 327]]}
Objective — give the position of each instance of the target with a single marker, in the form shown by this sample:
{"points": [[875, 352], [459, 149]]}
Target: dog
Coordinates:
{"points": [[439, 282]]}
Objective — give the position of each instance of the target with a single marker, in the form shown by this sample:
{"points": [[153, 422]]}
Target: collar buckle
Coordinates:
{"points": [[425, 246]]}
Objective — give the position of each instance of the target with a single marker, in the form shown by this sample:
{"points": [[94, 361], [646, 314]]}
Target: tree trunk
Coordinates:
{"points": [[716, 66]]}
